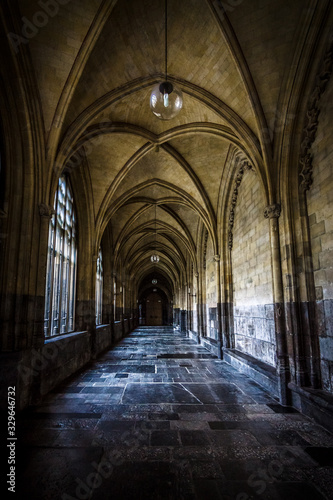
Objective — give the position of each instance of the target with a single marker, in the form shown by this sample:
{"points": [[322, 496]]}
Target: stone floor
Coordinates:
{"points": [[159, 417]]}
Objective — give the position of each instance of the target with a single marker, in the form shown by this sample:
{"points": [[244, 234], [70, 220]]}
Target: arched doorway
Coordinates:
{"points": [[155, 300], [154, 309]]}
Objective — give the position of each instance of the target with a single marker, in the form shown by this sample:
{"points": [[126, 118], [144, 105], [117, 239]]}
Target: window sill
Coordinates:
{"points": [[65, 336]]}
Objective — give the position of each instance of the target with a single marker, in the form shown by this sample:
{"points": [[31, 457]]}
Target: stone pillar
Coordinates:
{"points": [[183, 323], [308, 307], [229, 308], [217, 261], [199, 300], [123, 308], [85, 319], [224, 314], [188, 302], [272, 212], [46, 212], [113, 299], [93, 306]]}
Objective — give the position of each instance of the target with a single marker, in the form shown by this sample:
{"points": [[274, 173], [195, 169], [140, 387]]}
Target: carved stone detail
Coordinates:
{"points": [[272, 211], [46, 210], [205, 249], [216, 258], [311, 120], [244, 165]]}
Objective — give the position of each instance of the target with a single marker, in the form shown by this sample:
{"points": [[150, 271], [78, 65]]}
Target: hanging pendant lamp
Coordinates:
{"points": [[166, 100]]}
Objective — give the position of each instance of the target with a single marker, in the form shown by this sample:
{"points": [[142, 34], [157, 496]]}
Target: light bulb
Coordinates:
{"points": [[166, 100]]}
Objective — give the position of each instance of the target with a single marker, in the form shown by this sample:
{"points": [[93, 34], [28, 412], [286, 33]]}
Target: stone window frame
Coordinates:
{"points": [[60, 287], [99, 287]]}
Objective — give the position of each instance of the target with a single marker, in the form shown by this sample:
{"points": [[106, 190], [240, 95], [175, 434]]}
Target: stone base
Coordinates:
{"points": [[36, 372], [313, 403], [194, 336], [261, 372], [103, 338], [60, 358], [212, 345], [117, 331]]}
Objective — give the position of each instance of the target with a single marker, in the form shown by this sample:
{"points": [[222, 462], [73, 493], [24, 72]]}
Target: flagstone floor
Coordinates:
{"points": [[160, 418]]}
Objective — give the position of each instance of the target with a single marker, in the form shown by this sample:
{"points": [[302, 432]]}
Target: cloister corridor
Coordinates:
{"points": [[160, 417], [166, 249]]}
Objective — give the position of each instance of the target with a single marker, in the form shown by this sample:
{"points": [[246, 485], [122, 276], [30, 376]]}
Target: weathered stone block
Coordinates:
{"points": [[318, 229], [326, 348]]}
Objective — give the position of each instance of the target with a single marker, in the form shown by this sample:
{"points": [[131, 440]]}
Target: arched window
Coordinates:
{"points": [[99, 288], [61, 264]]}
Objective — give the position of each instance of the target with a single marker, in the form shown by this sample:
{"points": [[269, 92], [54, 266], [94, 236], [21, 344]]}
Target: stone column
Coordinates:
{"points": [[188, 302], [183, 325], [272, 212], [123, 308], [308, 306], [218, 305], [224, 313], [93, 307], [113, 299], [229, 306], [46, 212], [199, 300]]}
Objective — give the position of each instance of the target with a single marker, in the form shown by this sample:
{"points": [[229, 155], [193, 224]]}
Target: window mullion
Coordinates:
{"points": [[51, 326], [70, 283], [51, 274]]}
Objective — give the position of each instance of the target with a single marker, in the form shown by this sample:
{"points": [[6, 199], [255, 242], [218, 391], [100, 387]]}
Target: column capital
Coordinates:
{"points": [[46, 210], [272, 211]]}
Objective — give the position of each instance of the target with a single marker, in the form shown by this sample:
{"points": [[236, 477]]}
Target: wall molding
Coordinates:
{"points": [[311, 120], [244, 165]]}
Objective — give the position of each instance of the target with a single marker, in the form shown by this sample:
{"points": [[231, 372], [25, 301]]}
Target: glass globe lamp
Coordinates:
{"points": [[154, 281], [166, 100], [155, 258]]}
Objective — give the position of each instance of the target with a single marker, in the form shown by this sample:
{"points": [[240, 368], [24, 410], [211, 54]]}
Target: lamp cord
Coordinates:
{"points": [[155, 230], [166, 40]]}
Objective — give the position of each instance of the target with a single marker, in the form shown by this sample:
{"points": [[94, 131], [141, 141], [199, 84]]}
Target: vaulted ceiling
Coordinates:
{"points": [[95, 64]]}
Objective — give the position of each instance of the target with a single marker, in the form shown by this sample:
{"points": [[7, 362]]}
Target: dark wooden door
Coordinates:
{"points": [[154, 310]]}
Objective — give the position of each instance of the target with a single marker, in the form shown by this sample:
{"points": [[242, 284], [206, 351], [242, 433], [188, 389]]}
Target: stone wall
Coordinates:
{"points": [[320, 210], [103, 338], [73, 352], [252, 274], [117, 331]]}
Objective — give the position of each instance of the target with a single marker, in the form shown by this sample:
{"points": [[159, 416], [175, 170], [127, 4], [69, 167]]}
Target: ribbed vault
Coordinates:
{"points": [[157, 185]]}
